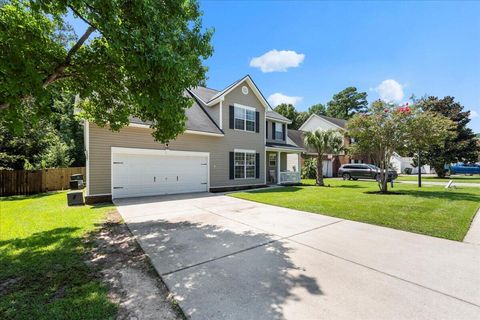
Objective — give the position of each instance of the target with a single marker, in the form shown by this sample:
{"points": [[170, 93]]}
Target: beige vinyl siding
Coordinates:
{"points": [[269, 138], [101, 140]]}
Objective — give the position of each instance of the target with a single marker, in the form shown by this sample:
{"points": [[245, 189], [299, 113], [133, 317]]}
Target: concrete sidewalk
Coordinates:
{"points": [[473, 234], [227, 258]]}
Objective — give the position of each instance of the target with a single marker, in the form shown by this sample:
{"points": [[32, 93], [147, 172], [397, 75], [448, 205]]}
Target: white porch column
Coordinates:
{"points": [[278, 167]]}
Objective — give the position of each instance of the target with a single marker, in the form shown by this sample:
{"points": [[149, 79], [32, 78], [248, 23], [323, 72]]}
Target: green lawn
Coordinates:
{"points": [[431, 210], [42, 274], [457, 178]]}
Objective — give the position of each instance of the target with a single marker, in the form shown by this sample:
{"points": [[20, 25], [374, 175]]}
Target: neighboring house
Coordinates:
{"points": [[331, 163], [400, 163], [233, 140]]}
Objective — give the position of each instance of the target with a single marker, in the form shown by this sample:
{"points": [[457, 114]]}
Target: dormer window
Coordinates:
{"points": [[244, 118]]}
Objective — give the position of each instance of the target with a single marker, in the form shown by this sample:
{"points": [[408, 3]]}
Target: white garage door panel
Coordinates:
{"points": [[136, 175]]}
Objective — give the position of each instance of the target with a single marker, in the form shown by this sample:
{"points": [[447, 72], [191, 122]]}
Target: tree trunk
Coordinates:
{"points": [[383, 177], [320, 171], [419, 170], [439, 169]]}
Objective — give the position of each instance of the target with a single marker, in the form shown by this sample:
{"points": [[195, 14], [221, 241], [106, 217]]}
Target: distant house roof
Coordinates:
{"points": [[336, 121], [277, 116]]}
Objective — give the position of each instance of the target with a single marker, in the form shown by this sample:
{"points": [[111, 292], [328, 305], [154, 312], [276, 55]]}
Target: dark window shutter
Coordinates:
{"points": [[232, 117], [257, 121], [273, 130], [284, 127], [257, 165], [232, 165], [266, 129]]}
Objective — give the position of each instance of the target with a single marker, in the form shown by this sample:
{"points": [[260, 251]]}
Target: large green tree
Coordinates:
{"points": [[288, 110], [318, 109], [461, 146], [385, 129], [347, 103], [55, 140], [135, 58]]}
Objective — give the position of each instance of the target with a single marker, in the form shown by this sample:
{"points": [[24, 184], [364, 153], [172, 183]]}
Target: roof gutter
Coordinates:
{"points": [[278, 120]]}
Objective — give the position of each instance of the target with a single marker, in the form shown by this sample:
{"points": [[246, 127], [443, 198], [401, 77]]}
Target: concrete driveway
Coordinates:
{"points": [[226, 258]]}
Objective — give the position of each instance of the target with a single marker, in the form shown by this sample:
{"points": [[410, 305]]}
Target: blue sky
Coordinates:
{"points": [[418, 47], [426, 47]]}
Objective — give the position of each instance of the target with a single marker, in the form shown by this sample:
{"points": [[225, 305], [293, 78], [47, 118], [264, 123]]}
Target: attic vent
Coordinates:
{"points": [[244, 90]]}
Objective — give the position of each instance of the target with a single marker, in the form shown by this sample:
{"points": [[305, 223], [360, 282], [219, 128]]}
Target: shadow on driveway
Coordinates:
{"points": [[216, 273]]}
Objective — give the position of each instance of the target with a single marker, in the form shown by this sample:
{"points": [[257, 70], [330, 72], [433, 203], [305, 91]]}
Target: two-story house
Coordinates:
{"points": [[233, 140]]}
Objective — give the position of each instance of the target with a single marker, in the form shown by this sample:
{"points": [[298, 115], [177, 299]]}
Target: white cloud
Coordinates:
{"points": [[390, 91], [278, 98], [275, 60], [473, 114]]}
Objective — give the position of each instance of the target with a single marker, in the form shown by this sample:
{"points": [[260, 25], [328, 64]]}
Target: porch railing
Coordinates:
{"points": [[289, 177]]}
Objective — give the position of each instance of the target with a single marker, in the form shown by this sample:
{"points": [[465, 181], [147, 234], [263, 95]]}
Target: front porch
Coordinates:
{"points": [[283, 166]]}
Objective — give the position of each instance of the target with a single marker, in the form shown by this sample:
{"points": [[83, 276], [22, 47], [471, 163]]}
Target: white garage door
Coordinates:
{"points": [[141, 172]]}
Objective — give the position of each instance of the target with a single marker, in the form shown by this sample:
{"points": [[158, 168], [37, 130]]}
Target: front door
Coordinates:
{"points": [[272, 168]]}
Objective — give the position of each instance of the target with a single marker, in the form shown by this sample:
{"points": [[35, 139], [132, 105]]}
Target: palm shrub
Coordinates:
{"points": [[323, 142], [309, 169]]}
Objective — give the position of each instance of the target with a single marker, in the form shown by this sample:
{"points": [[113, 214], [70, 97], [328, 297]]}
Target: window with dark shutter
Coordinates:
{"points": [[232, 165], [257, 165], [273, 130], [231, 116], [284, 127], [257, 121], [266, 129]]}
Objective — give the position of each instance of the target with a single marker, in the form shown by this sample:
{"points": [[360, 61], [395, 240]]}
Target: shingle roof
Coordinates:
{"points": [[296, 136], [277, 116], [282, 145], [197, 118], [204, 93], [339, 122]]}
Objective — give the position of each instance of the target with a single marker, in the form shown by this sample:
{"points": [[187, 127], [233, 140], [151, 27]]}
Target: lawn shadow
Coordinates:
{"points": [[28, 197], [215, 272], [278, 189], [447, 194], [350, 186], [44, 275]]}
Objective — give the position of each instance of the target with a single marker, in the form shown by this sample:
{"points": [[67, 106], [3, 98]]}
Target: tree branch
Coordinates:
{"points": [[58, 71], [78, 14]]}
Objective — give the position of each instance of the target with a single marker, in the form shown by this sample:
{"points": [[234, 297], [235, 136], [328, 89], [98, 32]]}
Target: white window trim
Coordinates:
{"points": [[254, 152], [245, 108], [275, 159]]}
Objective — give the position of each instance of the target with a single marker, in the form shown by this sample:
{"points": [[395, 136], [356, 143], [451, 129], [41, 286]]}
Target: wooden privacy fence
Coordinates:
{"points": [[24, 182]]}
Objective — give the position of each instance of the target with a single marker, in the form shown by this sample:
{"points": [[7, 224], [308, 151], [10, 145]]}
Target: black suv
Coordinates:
{"points": [[357, 171]]}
